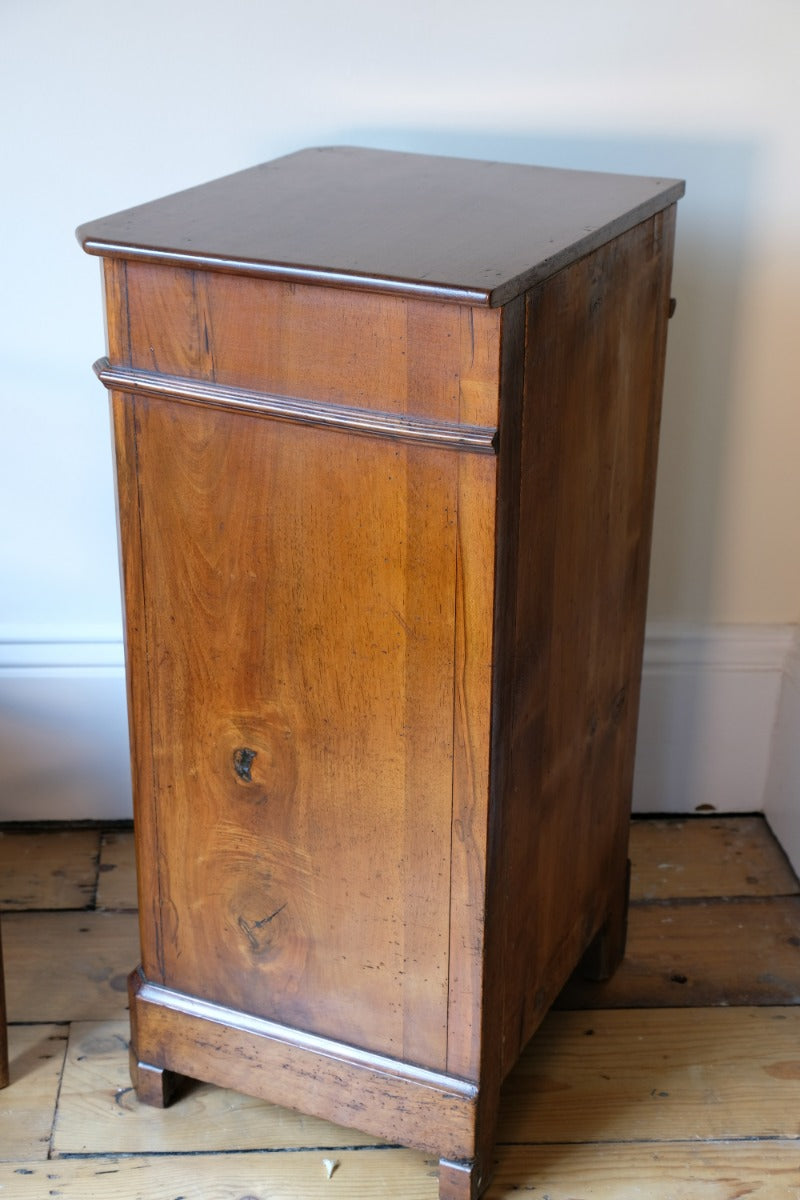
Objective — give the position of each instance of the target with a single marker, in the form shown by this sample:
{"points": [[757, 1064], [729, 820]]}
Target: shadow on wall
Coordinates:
{"points": [[696, 711], [714, 220]]}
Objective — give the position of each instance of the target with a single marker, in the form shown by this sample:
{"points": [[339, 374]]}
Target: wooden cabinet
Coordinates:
{"points": [[386, 431]]}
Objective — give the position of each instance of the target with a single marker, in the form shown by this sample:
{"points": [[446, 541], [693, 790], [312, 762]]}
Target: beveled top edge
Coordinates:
{"points": [[460, 230], [290, 273]]}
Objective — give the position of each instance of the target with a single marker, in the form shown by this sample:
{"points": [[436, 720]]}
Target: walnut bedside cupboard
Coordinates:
{"points": [[386, 430]]}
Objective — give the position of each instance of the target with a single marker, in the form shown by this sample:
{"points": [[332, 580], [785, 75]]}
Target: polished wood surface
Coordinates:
{"points": [[404, 428], [595, 339], [454, 229], [71, 1121], [275, 863], [356, 806], [385, 561]]}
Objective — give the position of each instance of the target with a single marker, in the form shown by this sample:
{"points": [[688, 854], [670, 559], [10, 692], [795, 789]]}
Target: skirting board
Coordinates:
{"points": [[719, 718], [63, 730], [709, 707]]}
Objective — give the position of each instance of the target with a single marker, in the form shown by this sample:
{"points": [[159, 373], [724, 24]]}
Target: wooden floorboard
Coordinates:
{"points": [[677, 1080], [650, 1171], [707, 856], [643, 1171], [48, 870], [98, 1111], [707, 952], [36, 1057], [358, 1175], [116, 888], [657, 1075], [68, 966]]}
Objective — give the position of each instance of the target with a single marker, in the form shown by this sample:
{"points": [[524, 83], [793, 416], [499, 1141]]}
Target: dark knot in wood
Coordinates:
{"points": [[242, 762]]}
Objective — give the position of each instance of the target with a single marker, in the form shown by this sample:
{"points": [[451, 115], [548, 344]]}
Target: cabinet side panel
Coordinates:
{"points": [[300, 644], [595, 343], [115, 295], [136, 673], [471, 741], [474, 604]]}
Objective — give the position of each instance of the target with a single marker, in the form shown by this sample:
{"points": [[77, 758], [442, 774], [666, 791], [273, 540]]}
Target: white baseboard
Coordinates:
{"points": [[718, 728], [63, 730], [709, 705]]}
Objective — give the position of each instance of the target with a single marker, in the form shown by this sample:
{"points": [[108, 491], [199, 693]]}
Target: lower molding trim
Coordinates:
{"points": [[382, 1096]]}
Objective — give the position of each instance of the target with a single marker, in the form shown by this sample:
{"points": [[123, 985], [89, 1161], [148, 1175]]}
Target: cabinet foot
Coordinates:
{"points": [[607, 950], [153, 1085], [461, 1180]]}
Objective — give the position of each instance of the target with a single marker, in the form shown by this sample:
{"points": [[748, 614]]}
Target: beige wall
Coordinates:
{"points": [[727, 546], [106, 105]]}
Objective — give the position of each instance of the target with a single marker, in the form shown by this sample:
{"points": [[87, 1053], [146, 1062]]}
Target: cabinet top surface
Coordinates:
{"points": [[442, 228]]}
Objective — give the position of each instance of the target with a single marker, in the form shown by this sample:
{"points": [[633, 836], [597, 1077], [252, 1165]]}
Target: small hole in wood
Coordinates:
{"points": [[242, 762]]}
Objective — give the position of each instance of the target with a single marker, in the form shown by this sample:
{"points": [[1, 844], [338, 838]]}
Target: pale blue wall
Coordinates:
{"points": [[105, 105]]}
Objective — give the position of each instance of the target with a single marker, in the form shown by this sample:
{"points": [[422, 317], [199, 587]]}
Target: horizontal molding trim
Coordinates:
{"points": [[308, 1072], [383, 285], [447, 435], [669, 646], [42, 657], [285, 1035]]}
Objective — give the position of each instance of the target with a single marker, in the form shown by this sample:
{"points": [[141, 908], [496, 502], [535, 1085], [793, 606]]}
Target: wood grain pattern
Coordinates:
{"points": [[735, 1069], [388, 1098], [708, 857], [99, 1113], [595, 337], [475, 232], [716, 1171], [478, 439], [477, 969], [656, 1170], [115, 295], [359, 1175], [703, 1074], [140, 715], [298, 848], [28, 1104], [383, 689], [656, 1076], [89, 954], [116, 883], [680, 954], [366, 352], [48, 870], [471, 715]]}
